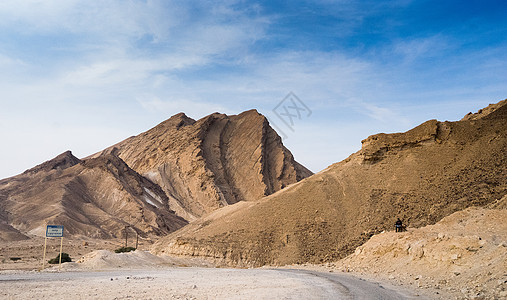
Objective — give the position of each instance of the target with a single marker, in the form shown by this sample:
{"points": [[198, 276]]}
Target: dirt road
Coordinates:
{"points": [[192, 283]]}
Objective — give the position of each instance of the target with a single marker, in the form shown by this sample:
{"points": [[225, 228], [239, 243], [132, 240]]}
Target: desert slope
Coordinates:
{"points": [[213, 162], [463, 255], [420, 176], [95, 198]]}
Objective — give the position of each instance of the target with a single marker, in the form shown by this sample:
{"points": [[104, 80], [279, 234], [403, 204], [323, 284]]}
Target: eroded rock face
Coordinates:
{"points": [[420, 176], [375, 147], [213, 162]]}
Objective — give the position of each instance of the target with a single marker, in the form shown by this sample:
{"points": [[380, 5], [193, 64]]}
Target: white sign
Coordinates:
{"points": [[54, 231]]}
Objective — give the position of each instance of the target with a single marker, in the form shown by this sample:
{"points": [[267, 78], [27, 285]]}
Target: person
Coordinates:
{"points": [[398, 225]]}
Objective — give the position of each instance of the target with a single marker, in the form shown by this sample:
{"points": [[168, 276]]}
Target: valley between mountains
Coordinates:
{"points": [[225, 191]]}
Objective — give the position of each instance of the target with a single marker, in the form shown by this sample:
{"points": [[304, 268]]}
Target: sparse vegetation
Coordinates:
{"points": [[124, 249], [56, 260], [15, 258]]}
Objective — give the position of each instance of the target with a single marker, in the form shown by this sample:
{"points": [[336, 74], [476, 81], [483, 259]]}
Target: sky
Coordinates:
{"points": [[82, 75]]}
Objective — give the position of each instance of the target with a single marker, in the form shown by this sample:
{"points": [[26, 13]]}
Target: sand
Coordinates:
{"points": [[191, 283], [103, 274]]}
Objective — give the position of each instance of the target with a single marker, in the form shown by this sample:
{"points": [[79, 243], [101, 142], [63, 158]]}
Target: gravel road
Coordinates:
{"points": [[192, 283]]}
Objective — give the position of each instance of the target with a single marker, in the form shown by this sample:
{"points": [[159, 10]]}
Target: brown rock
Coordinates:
{"points": [[213, 162], [419, 176]]}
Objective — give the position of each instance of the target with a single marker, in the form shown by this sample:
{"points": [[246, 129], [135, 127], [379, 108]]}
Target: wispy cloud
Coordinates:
{"points": [[124, 66], [416, 49]]}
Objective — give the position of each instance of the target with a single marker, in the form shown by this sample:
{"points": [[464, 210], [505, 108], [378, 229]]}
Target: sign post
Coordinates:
{"points": [[53, 231]]}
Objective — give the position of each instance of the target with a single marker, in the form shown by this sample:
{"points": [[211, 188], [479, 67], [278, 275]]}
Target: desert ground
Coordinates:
{"points": [[103, 274], [193, 283], [463, 256], [139, 275]]}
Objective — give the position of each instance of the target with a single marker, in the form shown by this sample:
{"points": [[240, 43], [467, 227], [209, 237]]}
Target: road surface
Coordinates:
{"points": [[192, 283]]}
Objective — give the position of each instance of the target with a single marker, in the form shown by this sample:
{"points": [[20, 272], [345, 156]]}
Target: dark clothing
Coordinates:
{"points": [[399, 226]]}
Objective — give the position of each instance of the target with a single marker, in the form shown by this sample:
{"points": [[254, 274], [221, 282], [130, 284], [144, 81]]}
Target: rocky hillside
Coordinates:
{"points": [[420, 176], [156, 181], [213, 162], [93, 198], [462, 256]]}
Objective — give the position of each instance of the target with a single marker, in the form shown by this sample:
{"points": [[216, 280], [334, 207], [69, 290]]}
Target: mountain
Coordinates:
{"points": [[155, 182], [420, 176], [95, 198], [213, 162]]}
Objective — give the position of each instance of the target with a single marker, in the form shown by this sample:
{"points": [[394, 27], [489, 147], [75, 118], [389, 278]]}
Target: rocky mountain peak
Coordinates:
{"points": [[62, 161], [212, 162], [177, 121]]}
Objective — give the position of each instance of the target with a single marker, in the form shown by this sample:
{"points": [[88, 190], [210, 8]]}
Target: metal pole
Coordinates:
{"points": [[44, 256], [61, 248]]}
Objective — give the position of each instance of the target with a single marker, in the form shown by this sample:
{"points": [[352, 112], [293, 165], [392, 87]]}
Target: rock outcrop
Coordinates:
{"points": [[496, 110], [420, 176]]}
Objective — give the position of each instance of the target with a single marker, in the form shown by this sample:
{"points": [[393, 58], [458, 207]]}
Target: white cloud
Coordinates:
{"points": [[103, 18], [110, 72], [375, 111], [414, 49], [124, 66], [9, 62]]}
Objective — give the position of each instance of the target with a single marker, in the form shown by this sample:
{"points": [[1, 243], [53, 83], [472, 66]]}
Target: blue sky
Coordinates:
{"points": [[83, 75]]}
